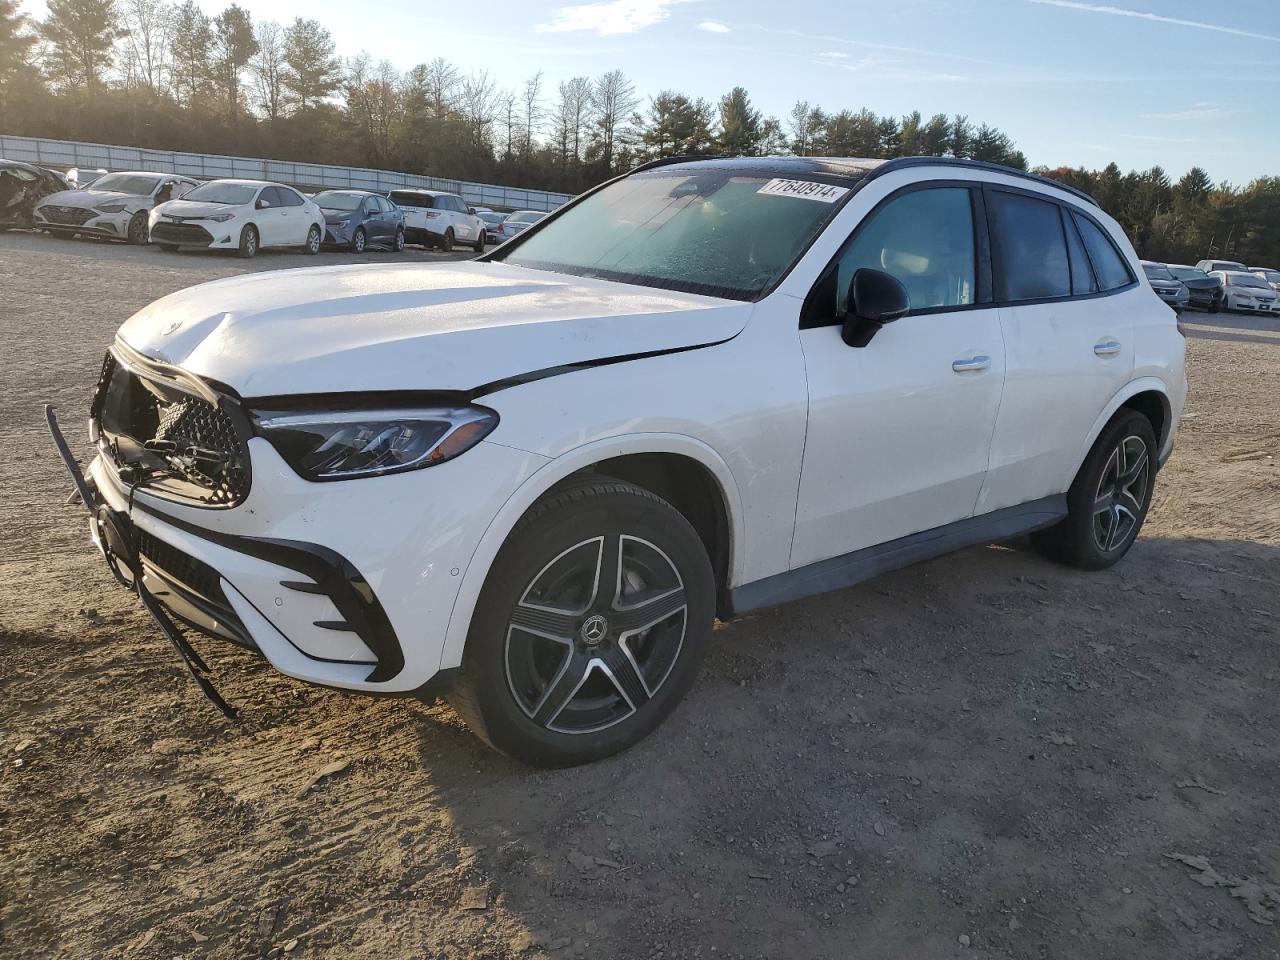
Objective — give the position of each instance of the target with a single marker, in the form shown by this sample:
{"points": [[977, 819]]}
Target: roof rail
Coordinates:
{"points": [[899, 163], [683, 158]]}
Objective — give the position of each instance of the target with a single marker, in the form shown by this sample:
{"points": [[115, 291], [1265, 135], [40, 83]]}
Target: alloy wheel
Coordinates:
{"points": [[595, 634], [1122, 494], [313, 240]]}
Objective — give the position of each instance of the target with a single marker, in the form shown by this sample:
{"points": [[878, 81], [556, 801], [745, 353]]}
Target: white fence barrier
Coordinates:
{"points": [[67, 154]]}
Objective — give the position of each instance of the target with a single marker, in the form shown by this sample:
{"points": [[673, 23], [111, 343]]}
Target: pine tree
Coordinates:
{"points": [[739, 125], [312, 69], [80, 35]]}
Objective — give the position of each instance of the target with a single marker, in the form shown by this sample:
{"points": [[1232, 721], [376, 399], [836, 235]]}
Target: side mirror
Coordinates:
{"points": [[471, 210], [875, 298], [262, 204]]}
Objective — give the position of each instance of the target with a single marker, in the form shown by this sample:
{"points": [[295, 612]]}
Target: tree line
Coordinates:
{"points": [[166, 75]]}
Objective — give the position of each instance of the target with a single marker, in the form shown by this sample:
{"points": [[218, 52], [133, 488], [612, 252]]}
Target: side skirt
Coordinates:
{"points": [[844, 571]]}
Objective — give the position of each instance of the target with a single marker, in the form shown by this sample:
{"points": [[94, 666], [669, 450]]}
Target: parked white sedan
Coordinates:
{"points": [[240, 215], [115, 205]]}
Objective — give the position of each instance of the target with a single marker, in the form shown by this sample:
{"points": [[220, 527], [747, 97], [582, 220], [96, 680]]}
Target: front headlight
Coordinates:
{"points": [[369, 443], [221, 217], [111, 208]]}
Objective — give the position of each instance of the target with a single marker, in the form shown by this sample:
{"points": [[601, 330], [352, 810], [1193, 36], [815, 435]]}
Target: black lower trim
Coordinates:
{"points": [[851, 568]]}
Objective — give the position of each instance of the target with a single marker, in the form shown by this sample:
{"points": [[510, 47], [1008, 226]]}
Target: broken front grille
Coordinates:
{"points": [[180, 445]]}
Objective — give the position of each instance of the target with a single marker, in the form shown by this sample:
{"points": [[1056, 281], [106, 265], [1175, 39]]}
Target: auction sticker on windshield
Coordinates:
{"points": [[805, 189]]}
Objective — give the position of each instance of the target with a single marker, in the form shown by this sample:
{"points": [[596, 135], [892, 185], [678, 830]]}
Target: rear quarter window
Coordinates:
{"points": [[1108, 263]]}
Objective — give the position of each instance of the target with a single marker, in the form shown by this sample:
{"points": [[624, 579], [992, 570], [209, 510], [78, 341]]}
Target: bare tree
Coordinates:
{"points": [[478, 104], [507, 117], [267, 68], [146, 43], [576, 100], [441, 82], [531, 99], [372, 103], [613, 101]]}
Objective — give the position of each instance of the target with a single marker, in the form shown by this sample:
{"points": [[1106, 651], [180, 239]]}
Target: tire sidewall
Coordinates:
{"points": [[248, 250], [141, 239], [399, 243], [314, 239], [446, 244], [622, 510], [1083, 492], [359, 241]]}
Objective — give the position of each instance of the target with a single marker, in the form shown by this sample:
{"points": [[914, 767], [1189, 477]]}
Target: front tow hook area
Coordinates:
{"points": [[114, 533]]}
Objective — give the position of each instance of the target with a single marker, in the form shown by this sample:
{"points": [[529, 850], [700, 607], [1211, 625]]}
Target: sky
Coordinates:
{"points": [[1141, 82]]}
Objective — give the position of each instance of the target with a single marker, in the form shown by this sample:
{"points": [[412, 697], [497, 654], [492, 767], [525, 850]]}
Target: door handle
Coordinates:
{"points": [[980, 362], [1106, 348]]}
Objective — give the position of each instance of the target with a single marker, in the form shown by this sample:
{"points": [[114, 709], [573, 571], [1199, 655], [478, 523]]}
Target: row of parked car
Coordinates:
{"points": [[1216, 285], [173, 212]]}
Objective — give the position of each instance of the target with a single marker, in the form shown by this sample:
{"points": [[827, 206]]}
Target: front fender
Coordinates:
{"points": [[551, 473]]}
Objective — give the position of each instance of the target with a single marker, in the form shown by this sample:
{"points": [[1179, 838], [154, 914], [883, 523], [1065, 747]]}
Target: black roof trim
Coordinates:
{"points": [[900, 163], [865, 173]]}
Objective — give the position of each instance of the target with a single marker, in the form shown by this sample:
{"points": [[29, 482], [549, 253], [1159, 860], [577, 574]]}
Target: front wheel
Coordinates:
{"points": [[358, 240], [591, 626], [1109, 499], [137, 231], [248, 242], [314, 237]]}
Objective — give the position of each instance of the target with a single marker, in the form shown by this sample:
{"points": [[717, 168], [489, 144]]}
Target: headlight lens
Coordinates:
{"points": [[110, 208], [220, 217], [370, 443]]}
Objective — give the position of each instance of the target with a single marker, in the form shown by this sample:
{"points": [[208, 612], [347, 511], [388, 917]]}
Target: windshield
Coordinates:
{"points": [[1188, 273], [713, 231], [232, 193], [1156, 272], [1246, 280], [1271, 276], [526, 216], [490, 217], [339, 201], [127, 183]]}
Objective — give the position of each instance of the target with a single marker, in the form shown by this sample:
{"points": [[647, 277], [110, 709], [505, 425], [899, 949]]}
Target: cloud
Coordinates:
{"points": [[713, 26], [834, 55], [611, 17], [1153, 17], [1199, 111]]}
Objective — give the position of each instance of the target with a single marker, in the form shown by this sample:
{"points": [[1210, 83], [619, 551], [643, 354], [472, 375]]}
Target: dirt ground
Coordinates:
{"points": [[983, 756]]}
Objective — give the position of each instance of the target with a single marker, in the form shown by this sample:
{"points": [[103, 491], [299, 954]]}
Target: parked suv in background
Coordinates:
{"points": [[116, 205], [438, 219], [356, 218], [533, 480]]}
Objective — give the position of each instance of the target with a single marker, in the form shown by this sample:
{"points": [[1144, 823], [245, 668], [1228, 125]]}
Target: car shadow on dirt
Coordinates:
{"points": [[986, 746]]}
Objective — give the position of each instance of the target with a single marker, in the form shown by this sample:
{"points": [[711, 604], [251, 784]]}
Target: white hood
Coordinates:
{"points": [[194, 209], [414, 327], [90, 198]]}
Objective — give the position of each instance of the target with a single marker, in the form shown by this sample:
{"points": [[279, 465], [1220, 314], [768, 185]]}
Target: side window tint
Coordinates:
{"points": [[1109, 265], [1029, 247], [925, 239], [289, 198], [269, 194], [1082, 279]]}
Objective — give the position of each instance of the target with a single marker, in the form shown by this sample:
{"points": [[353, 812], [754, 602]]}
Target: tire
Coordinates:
{"points": [[447, 243], [314, 239], [358, 240], [248, 242], [1109, 499], [478, 246], [137, 233], [399, 241], [547, 695]]}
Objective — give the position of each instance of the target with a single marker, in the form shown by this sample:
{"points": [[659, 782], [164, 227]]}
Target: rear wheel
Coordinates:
{"points": [[478, 246], [137, 232], [314, 238], [400, 241], [447, 243], [1109, 499], [248, 242], [591, 626]]}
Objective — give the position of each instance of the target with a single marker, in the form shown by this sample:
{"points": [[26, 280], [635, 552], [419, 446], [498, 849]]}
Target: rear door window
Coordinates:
{"points": [[289, 198], [1108, 264], [1029, 248]]}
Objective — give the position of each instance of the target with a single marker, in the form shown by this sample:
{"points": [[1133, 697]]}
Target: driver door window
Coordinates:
{"points": [[925, 238], [899, 430]]}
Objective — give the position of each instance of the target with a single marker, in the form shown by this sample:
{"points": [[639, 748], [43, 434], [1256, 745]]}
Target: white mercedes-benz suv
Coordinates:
{"points": [[532, 481]]}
